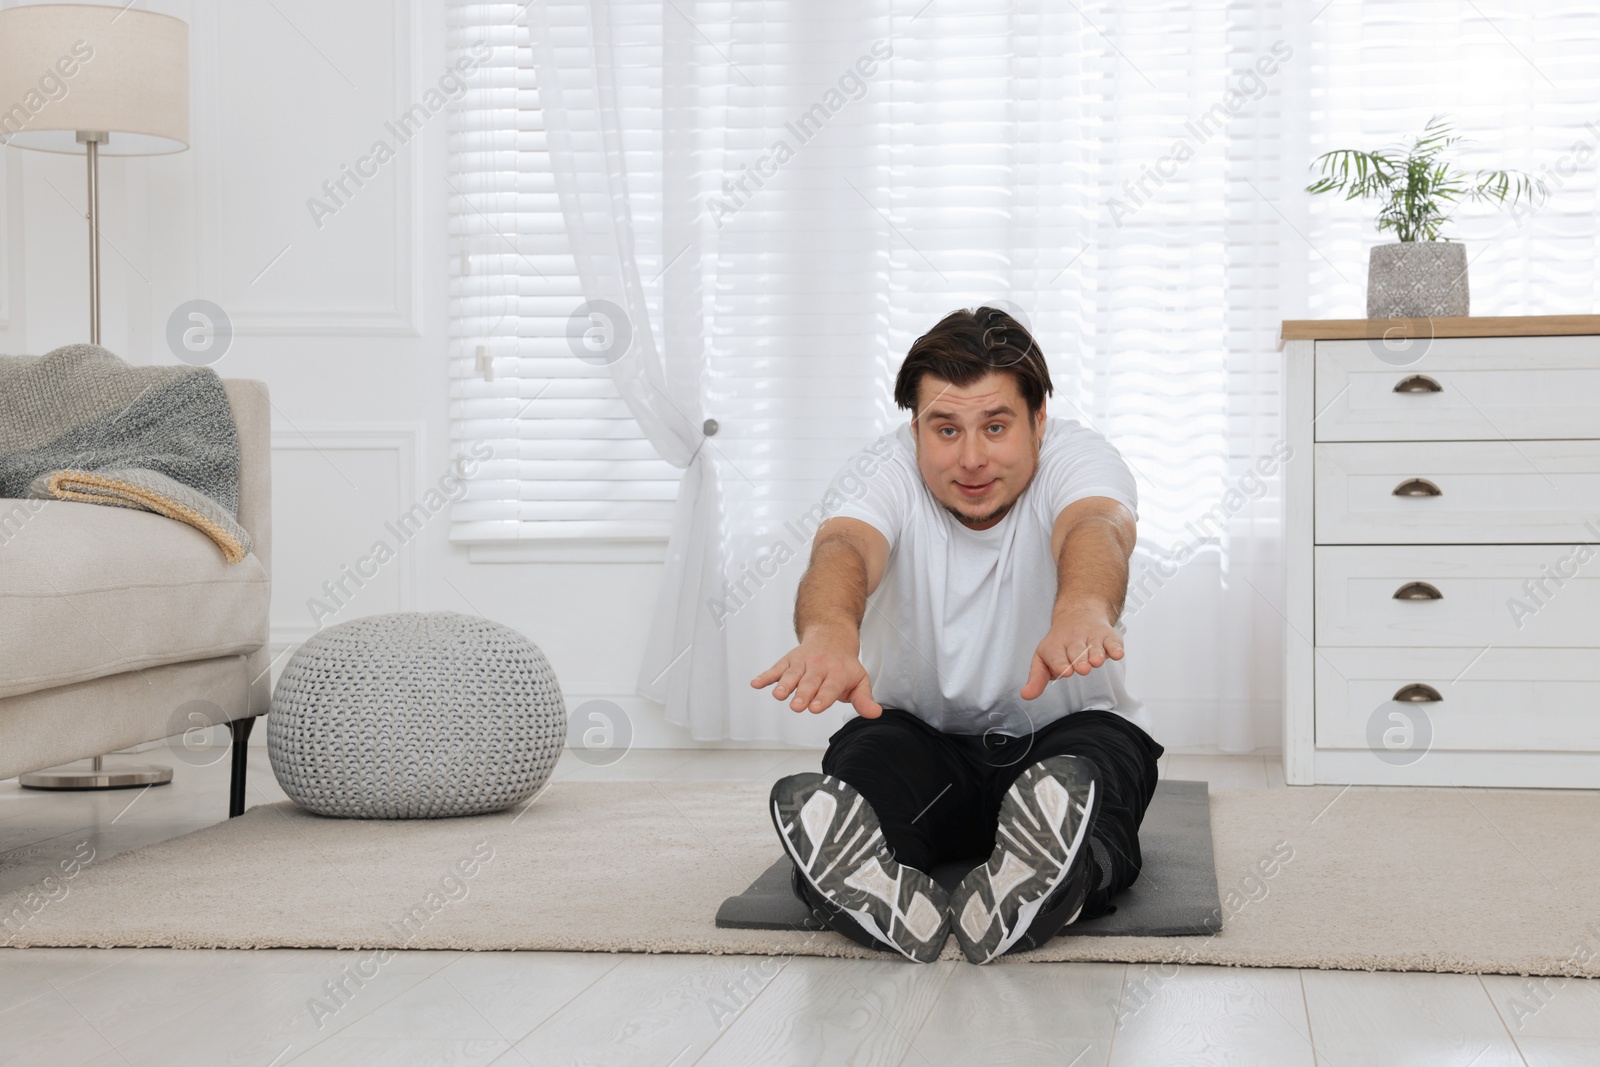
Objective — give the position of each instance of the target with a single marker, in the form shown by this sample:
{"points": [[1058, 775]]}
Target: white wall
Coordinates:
{"points": [[346, 323]]}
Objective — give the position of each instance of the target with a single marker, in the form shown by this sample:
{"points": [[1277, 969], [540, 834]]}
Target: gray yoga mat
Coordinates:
{"points": [[1176, 894]]}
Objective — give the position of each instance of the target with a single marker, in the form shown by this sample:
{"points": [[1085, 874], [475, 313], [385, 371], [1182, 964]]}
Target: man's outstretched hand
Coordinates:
{"points": [[821, 670], [1077, 643]]}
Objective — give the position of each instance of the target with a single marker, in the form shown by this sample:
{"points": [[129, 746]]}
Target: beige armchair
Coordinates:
{"points": [[117, 625]]}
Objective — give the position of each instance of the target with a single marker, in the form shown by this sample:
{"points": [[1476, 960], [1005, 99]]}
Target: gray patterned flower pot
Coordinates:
{"points": [[415, 715], [1417, 279]]}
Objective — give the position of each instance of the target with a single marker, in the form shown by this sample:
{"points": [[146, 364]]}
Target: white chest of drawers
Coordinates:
{"points": [[1442, 549]]}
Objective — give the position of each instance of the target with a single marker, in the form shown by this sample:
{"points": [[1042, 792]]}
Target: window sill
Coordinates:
{"points": [[650, 549]]}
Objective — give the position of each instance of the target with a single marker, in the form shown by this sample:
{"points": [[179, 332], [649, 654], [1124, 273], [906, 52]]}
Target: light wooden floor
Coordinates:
{"points": [[156, 1006]]}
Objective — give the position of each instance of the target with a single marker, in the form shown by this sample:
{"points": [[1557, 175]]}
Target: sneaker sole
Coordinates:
{"points": [[833, 837], [1043, 829]]}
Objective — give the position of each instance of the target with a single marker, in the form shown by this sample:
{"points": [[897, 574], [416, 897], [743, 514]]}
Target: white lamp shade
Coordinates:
{"points": [[71, 67]]}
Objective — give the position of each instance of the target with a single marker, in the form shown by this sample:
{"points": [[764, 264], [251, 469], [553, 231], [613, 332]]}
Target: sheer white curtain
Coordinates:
{"points": [[781, 195], [801, 192], [608, 128]]}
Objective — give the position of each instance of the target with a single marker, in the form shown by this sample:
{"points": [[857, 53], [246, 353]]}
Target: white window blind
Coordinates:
{"points": [[979, 164], [1149, 215], [569, 460]]}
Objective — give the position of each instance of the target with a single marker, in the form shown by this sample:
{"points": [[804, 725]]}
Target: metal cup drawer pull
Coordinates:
{"points": [[1418, 383], [1417, 487], [1418, 591], [1417, 693]]}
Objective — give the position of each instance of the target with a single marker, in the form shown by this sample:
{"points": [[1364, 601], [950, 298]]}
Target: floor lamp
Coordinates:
{"points": [[96, 80]]}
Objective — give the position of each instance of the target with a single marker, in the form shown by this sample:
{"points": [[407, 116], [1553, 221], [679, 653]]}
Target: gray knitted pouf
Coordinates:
{"points": [[415, 715]]}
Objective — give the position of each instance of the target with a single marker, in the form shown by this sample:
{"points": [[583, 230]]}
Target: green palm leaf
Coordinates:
{"points": [[1414, 183]]}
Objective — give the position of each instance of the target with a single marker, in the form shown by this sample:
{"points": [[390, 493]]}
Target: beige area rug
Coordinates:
{"points": [[1407, 879]]}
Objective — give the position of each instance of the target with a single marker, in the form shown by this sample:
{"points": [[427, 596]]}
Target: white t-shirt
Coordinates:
{"points": [[951, 630]]}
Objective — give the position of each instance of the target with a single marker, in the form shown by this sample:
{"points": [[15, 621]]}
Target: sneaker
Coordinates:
{"points": [[1040, 872], [831, 916], [832, 835], [1060, 909]]}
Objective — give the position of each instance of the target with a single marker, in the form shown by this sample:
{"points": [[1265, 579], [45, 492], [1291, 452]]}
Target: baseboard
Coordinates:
{"points": [[646, 725], [650, 729]]}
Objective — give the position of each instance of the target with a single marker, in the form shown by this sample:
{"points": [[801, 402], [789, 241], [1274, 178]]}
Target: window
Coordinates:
{"points": [[569, 461]]}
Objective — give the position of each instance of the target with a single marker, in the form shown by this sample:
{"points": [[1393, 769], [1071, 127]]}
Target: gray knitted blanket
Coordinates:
{"points": [[80, 424]]}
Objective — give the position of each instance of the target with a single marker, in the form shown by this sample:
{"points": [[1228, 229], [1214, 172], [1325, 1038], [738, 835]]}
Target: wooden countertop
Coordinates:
{"points": [[1453, 326]]}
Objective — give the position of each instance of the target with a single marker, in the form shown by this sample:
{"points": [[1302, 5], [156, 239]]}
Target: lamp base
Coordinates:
{"points": [[97, 776]]}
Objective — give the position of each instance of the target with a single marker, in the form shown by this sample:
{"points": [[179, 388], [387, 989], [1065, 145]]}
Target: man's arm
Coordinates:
{"points": [[1092, 541], [848, 557]]}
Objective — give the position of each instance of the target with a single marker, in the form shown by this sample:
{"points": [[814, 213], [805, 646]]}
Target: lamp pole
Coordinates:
{"points": [[91, 141]]}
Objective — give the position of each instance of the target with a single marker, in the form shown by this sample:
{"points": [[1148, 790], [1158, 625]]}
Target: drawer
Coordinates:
{"points": [[1516, 596], [1470, 492], [1488, 388], [1505, 699]]}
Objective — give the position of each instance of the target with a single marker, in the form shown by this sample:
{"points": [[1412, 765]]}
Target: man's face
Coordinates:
{"points": [[977, 448]]}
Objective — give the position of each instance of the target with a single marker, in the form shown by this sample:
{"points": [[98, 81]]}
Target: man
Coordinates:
{"points": [[993, 723]]}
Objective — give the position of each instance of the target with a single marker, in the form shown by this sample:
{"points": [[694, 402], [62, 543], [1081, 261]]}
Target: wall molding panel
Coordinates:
{"points": [[232, 274], [405, 443]]}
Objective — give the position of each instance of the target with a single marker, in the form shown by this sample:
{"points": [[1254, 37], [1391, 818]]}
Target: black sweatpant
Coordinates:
{"points": [[937, 795]]}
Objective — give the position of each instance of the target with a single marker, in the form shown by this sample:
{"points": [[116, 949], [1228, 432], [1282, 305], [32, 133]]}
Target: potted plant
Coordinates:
{"points": [[1420, 274]]}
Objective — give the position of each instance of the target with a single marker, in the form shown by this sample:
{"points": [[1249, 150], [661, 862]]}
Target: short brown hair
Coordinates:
{"points": [[968, 344]]}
